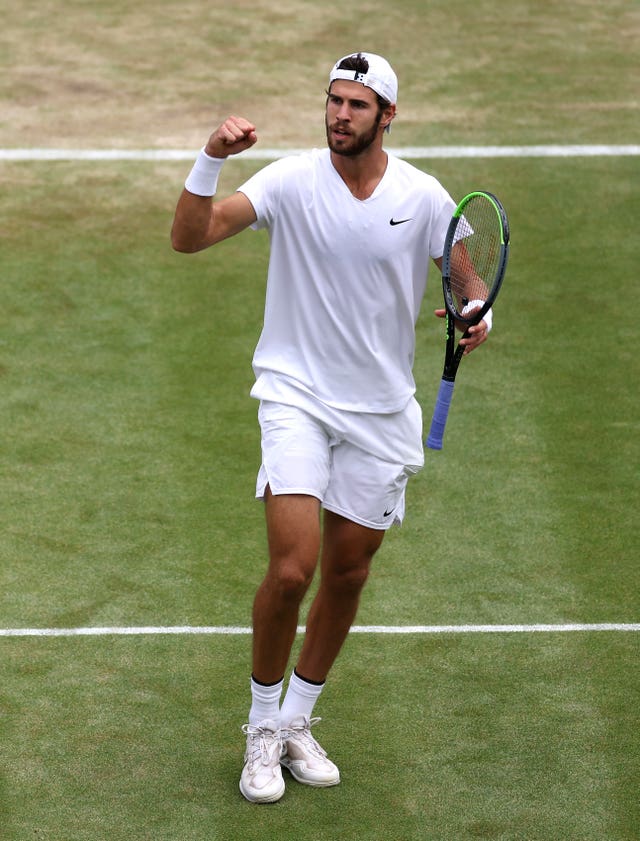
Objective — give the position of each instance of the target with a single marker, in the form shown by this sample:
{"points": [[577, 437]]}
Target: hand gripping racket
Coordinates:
{"points": [[474, 261]]}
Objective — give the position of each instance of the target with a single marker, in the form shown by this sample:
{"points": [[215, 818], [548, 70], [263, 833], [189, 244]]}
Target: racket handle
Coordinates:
{"points": [[440, 413]]}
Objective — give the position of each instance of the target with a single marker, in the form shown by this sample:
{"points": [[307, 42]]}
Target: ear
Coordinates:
{"points": [[388, 115]]}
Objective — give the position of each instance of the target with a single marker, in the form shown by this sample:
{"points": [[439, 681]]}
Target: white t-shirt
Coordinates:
{"points": [[346, 279]]}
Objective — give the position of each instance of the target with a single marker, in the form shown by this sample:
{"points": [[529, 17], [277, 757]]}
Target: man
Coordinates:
{"points": [[352, 231]]}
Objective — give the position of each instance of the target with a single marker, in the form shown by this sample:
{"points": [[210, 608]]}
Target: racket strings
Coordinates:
{"points": [[476, 254]]}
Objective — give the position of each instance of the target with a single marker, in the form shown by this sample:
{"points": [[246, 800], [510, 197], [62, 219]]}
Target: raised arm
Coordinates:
{"points": [[199, 222]]}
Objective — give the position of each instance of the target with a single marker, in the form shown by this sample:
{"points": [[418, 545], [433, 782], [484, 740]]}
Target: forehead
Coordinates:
{"points": [[352, 90]]}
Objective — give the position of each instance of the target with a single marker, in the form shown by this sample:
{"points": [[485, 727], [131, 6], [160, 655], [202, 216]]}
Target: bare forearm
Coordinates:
{"points": [[193, 223]]}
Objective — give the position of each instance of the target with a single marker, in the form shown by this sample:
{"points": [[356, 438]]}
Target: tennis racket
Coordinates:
{"points": [[474, 261]]}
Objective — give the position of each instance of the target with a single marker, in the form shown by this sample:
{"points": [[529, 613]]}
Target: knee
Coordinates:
{"points": [[290, 581], [349, 576]]}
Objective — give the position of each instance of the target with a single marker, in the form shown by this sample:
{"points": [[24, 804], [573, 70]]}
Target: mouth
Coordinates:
{"points": [[340, 133]]}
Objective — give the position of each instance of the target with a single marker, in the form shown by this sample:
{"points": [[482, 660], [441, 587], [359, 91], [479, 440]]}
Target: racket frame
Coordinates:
{"points": [[454, 355], [449, 299]]}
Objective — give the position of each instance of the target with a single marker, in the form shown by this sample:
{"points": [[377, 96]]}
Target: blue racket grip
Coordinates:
{"points": [[440, 413]]}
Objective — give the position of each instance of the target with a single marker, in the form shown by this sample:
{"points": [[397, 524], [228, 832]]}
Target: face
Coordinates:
{"points": [[352, 119]]}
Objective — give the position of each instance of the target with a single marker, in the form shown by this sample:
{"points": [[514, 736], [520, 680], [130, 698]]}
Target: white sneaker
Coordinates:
{"points": [[261, 780], [303, 756]]}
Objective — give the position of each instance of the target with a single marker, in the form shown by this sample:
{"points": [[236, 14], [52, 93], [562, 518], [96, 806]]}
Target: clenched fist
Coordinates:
{"points": [[234, 135]]}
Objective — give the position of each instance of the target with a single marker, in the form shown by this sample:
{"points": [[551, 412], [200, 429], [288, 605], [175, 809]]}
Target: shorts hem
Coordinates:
{"points": [[287, 491], [360, 520]]}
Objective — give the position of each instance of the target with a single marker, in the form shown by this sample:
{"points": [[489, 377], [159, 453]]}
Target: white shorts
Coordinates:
{"points": [[304, 455]]}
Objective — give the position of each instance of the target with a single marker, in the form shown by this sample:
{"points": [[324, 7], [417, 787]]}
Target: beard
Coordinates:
{"points": [[355, 144]]}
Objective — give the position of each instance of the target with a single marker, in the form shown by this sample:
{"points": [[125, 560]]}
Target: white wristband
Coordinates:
{"points": [[487, 317], [203, 178]]}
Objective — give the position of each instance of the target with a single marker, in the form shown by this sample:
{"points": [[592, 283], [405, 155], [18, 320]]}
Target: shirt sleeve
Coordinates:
{"points": [[263, 191], [441, 225]]}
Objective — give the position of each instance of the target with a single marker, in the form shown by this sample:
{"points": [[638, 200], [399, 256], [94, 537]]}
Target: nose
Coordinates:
{"points": [[343, 115]]}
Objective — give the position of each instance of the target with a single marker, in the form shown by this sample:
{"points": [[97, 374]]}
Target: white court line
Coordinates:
{"points": [[413, 152], [225, 630]]}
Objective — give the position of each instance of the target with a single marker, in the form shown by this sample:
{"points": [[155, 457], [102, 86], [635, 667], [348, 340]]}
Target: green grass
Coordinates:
{"points": [[500, 737], [129, 443], [129, 454]]}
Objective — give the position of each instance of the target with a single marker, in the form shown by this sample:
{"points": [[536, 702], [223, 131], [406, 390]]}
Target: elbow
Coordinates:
{"points": [[181, 248], [184, 245]]}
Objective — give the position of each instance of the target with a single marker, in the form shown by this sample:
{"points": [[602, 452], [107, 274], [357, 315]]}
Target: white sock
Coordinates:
{"points": [[265, 702], [300, 699]]}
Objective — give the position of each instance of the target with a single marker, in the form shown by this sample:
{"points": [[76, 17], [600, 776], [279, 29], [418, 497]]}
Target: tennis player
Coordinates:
{"points": [[352, 231]]}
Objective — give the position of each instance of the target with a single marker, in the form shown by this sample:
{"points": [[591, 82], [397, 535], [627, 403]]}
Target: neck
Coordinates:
{"points": [[361, 173]]}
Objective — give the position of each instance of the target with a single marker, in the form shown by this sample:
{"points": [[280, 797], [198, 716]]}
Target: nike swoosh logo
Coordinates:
{"points": [[388, 513], [393, 221]]}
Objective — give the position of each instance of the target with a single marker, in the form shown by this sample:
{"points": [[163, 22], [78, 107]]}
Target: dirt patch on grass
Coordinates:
{"points": [[112, 74]]}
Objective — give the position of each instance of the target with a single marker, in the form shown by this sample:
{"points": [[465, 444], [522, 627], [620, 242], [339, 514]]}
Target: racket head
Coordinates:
{"points": [[475, 255]]}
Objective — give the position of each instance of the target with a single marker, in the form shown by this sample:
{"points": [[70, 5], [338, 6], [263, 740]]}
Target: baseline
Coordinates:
{"points": [[226, 630], [413, 152]]}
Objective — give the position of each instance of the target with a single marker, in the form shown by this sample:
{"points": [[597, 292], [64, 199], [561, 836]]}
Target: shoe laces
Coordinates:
{"points": [[262, 743], [302, 733]]}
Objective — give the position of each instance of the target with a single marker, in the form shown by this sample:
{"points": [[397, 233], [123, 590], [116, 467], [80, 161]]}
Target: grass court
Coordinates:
{"points": [[130, 445]]}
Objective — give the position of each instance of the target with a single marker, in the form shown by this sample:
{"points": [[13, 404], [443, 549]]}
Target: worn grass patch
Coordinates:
{"points": [[116, 74]]}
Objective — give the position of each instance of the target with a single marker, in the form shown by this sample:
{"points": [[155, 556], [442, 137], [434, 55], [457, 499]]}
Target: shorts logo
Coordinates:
{"points": [[388, 513]]}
